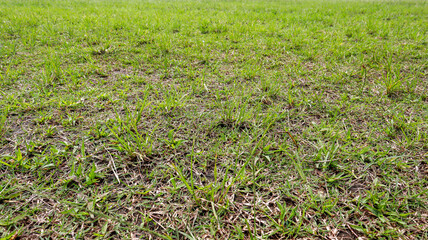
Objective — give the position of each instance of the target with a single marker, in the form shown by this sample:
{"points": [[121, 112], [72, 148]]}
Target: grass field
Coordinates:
{"points": [[130, 119]]}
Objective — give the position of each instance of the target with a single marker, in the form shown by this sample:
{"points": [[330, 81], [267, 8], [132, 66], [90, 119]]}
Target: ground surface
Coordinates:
{"points": [[213, 119]]}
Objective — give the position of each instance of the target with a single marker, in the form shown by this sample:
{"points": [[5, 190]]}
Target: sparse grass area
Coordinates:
{"points": [[213, 119]]}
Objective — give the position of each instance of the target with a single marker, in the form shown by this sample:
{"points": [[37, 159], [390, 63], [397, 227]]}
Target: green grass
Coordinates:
{"points": [[191, 119]]}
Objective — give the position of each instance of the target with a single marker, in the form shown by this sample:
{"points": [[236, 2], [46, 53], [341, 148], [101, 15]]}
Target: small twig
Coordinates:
{"points": [[152, 218], [292, 138], [294, 141], [352, 231], [113, 167]]}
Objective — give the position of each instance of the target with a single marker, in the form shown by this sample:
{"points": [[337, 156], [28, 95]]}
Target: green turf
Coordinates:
{"points": [[129, 119]]}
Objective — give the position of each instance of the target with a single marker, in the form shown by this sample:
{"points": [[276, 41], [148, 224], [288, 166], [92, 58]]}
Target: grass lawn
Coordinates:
{"points": [[137, 119]]}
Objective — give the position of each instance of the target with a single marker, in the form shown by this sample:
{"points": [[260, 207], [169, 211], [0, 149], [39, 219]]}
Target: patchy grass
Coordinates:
{"points": [[213, 119]]}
